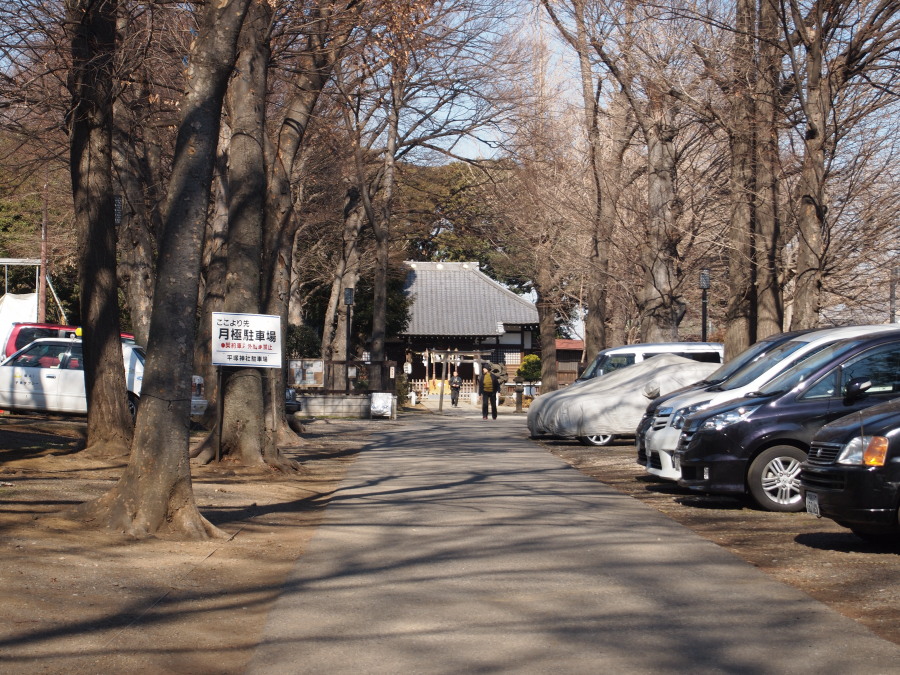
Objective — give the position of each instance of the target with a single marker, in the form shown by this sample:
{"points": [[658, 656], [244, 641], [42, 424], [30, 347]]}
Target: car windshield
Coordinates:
{"points": [[802, 371], [726, 370], [592, 368], [763, 362]]}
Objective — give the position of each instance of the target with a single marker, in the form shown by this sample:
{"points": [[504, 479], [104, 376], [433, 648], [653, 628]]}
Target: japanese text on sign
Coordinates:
{"points": [[249, 340]]}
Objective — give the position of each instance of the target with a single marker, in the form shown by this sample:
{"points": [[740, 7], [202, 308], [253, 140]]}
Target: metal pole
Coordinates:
{"points": [[220, 403], [703, 317], [443, 375], [347, 349], [42, 272], [704, 286]]}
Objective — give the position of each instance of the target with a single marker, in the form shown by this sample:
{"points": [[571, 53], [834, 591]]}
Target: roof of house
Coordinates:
{"points": [[562, 344], [457, 299]]}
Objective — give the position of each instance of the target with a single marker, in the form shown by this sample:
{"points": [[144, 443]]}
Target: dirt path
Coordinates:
{"points": [[78, 600]]}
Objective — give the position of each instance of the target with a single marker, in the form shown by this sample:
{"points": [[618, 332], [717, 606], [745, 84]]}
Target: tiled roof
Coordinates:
{"points": [[457, 299]]}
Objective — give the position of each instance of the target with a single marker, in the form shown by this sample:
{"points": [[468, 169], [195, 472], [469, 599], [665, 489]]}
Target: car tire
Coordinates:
{"points": [[774, 479], [597, 439], [132, 407]]}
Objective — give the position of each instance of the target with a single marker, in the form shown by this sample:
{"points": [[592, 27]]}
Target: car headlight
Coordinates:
{"points": [[726, 419], [864, 451], [681, 413]]}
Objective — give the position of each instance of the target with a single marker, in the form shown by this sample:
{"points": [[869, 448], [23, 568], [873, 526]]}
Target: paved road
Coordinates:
{"points": [[457, 545]]}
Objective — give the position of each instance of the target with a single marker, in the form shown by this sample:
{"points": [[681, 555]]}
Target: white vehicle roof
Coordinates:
{"points": [[779, 359]]}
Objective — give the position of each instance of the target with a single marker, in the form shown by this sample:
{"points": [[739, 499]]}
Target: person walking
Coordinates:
{"points": [[455, 384], [488, 384]]}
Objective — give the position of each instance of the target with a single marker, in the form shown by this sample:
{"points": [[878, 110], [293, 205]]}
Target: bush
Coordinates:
{"points": [[303, 342], [530, 370]]}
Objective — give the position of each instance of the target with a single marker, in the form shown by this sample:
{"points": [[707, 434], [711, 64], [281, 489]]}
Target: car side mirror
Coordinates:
{"points": [[856, 387], [651, 389]]}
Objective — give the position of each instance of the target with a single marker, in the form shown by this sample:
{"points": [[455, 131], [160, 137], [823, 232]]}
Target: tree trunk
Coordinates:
{"points": [[140, 215], [243, 430], [155, 492], [328, 34], [334, 339], [740, 315], [380, 220], [601, 226], [212, 299], [93, 38], [810, 199], [661, 309], [770, 311]]}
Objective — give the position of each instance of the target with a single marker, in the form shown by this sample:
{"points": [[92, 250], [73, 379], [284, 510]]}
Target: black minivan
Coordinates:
{"points": [[852, 474], [756, 444]]}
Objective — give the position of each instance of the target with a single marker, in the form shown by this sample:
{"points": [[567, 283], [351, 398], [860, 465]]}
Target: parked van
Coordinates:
{"points": [[756, 444], [660, 438], [608, 360]]}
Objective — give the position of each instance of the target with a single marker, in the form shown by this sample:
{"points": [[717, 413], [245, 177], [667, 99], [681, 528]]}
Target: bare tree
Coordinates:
{"points": [[93, 26], [154, 493], [833, 49]]}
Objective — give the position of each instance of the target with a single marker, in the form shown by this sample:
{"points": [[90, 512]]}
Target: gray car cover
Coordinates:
{"points": [[613, 403]]}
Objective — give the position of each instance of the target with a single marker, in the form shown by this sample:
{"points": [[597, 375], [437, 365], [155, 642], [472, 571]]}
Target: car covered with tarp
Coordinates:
{"points": [[597, 411]]}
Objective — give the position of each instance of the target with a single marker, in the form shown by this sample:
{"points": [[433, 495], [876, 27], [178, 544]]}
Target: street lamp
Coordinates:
{"points": [[704, 286]]}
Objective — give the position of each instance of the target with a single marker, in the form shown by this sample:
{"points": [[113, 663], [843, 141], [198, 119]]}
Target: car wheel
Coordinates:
{"points": [[596, 439], [132, 407], [774, 478]]}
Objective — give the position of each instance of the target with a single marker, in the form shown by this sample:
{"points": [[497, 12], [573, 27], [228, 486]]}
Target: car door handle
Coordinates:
{"points": [[50, 377]]}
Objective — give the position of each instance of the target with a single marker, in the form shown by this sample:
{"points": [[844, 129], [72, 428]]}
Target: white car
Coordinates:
{"points": [[660, 439], [48, 376], [599, 410]]}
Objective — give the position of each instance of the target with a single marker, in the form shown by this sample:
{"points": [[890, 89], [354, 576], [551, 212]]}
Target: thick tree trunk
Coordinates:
{"points": [[93, 38], [770, 311], [740, 315], [661, 308], [155, 492], [810, 198], [243, 430], [601, 227]]}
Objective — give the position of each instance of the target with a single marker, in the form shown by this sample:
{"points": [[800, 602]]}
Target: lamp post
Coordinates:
{"points": [[704, 286], [348, 302]]}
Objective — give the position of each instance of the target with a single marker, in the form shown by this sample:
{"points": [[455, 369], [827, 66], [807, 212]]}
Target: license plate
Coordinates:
{"points": [[676, 463], [812, 503]]}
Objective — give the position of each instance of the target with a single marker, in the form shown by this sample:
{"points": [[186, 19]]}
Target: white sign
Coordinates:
{"points": [[246, 340]]}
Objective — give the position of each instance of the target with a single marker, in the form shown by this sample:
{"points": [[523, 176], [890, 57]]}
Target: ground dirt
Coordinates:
{"points": [[78, 600], [86, 601], [860, 580]]}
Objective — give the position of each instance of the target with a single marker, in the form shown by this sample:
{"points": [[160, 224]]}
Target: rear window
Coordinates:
{"points": [[29, 335]]}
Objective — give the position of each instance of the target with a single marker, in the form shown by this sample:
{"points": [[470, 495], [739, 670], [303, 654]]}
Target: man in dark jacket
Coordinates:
{"points": [[455, 384], [488, 384]]}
